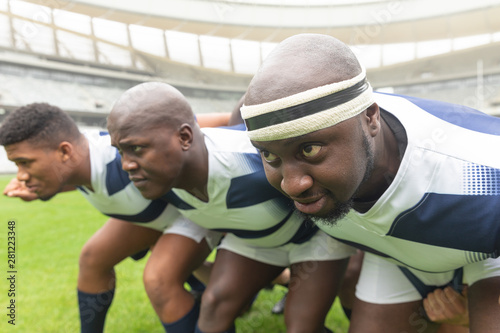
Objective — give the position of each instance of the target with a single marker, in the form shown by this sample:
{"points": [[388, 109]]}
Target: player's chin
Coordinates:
{"points": [[147, 194], [45, 196], [329, 214], [151, 192]]}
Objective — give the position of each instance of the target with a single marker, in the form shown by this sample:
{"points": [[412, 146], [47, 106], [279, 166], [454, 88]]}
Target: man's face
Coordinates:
{"points": [[152, 156], [321, 171], [39, 167]]}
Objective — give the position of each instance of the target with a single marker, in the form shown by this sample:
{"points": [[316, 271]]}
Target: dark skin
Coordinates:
{"points": [[309, 299], [161, 149], [315, 152], [47, 170], [235, 117], [155, 167], [44, 171], [324, 169], [185, 155]]}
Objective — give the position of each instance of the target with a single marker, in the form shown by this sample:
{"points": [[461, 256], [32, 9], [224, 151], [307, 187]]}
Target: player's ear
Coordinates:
{"points": [[65, 151], [372, 118], [186, 136]]}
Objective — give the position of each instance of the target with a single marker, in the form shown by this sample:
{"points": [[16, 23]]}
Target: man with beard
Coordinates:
{"points": [[412, 182], [215, 178]]}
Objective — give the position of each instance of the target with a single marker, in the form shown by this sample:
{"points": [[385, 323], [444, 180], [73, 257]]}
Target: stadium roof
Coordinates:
{"points": [[234, 36], [354, 22]]}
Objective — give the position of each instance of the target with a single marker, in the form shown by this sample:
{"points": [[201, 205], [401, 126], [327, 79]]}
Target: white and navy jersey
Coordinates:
{"points": [[442, 210], [115, 195], [241, 200]]}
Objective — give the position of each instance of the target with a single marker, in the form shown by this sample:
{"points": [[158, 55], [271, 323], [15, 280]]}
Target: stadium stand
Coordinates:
{"points": [[46, 57]]}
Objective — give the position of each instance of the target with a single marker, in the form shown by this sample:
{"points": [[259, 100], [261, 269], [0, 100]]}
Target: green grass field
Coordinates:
{"points": [[49, 236]]}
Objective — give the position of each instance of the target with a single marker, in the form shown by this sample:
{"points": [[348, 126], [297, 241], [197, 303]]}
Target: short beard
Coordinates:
{"points": [[333, 216], [343, 208]]}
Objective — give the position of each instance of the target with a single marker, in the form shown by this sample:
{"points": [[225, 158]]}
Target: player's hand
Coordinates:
{"points": [[18, 189], [447, 306]]}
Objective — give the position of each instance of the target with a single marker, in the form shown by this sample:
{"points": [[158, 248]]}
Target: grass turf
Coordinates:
{"points": [[49, 236]]}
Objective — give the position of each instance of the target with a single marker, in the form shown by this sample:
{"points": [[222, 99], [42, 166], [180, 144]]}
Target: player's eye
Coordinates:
{"points": [[268, 157], [311, 150], [22, 163], [120, 151], [136, 149]]}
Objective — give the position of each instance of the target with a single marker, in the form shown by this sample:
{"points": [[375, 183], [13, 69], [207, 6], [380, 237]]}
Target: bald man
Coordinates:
{"points": [[412, 182], [215, 178]]}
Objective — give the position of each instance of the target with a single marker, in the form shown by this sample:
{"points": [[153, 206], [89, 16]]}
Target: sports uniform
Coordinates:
{"points": [[114, 195], [440, 212], [259, 220]]}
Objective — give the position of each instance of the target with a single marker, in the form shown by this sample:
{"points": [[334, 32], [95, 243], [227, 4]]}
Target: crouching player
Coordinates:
{"points": [[52, 156]]}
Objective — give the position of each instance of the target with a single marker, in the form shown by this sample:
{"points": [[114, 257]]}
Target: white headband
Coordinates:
{"points": [[308, 111]]}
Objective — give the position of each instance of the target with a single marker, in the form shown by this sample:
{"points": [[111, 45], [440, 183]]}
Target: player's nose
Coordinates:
{"points": [[294, 180], [129, 164], [22, 175]]}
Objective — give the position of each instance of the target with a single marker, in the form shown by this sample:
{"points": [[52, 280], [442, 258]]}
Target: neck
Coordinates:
{"points": [[196, 171], [79, 165], [386, 165]]}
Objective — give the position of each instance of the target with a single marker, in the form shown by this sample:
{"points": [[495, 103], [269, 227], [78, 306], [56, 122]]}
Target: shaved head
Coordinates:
{"points": [[300, 63], [308, 83], [161, 145], [150, 105]]}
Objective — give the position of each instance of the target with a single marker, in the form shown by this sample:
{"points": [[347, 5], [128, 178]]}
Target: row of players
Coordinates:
{"points": [[169, 173]]}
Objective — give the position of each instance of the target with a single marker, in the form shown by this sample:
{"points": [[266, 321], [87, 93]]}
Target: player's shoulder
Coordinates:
{"points": [[97, 137], [417, 108], [227, 139], [100, 146], [232, 153]]}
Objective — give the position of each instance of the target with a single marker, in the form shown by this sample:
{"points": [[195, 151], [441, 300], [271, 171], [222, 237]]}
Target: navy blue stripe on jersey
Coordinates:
{"points": [[429, 222], [150, 213], [116, 178], [172, 198], [458, 280], [252, 189], [305, 232], [361, 247], [421, 287], [372, 250], [459, 115], [456, 283], [256, 233], [81, 188]]}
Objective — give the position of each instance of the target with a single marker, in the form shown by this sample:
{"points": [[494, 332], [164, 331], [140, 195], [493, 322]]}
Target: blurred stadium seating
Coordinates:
{"points": [[44, 57]]}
